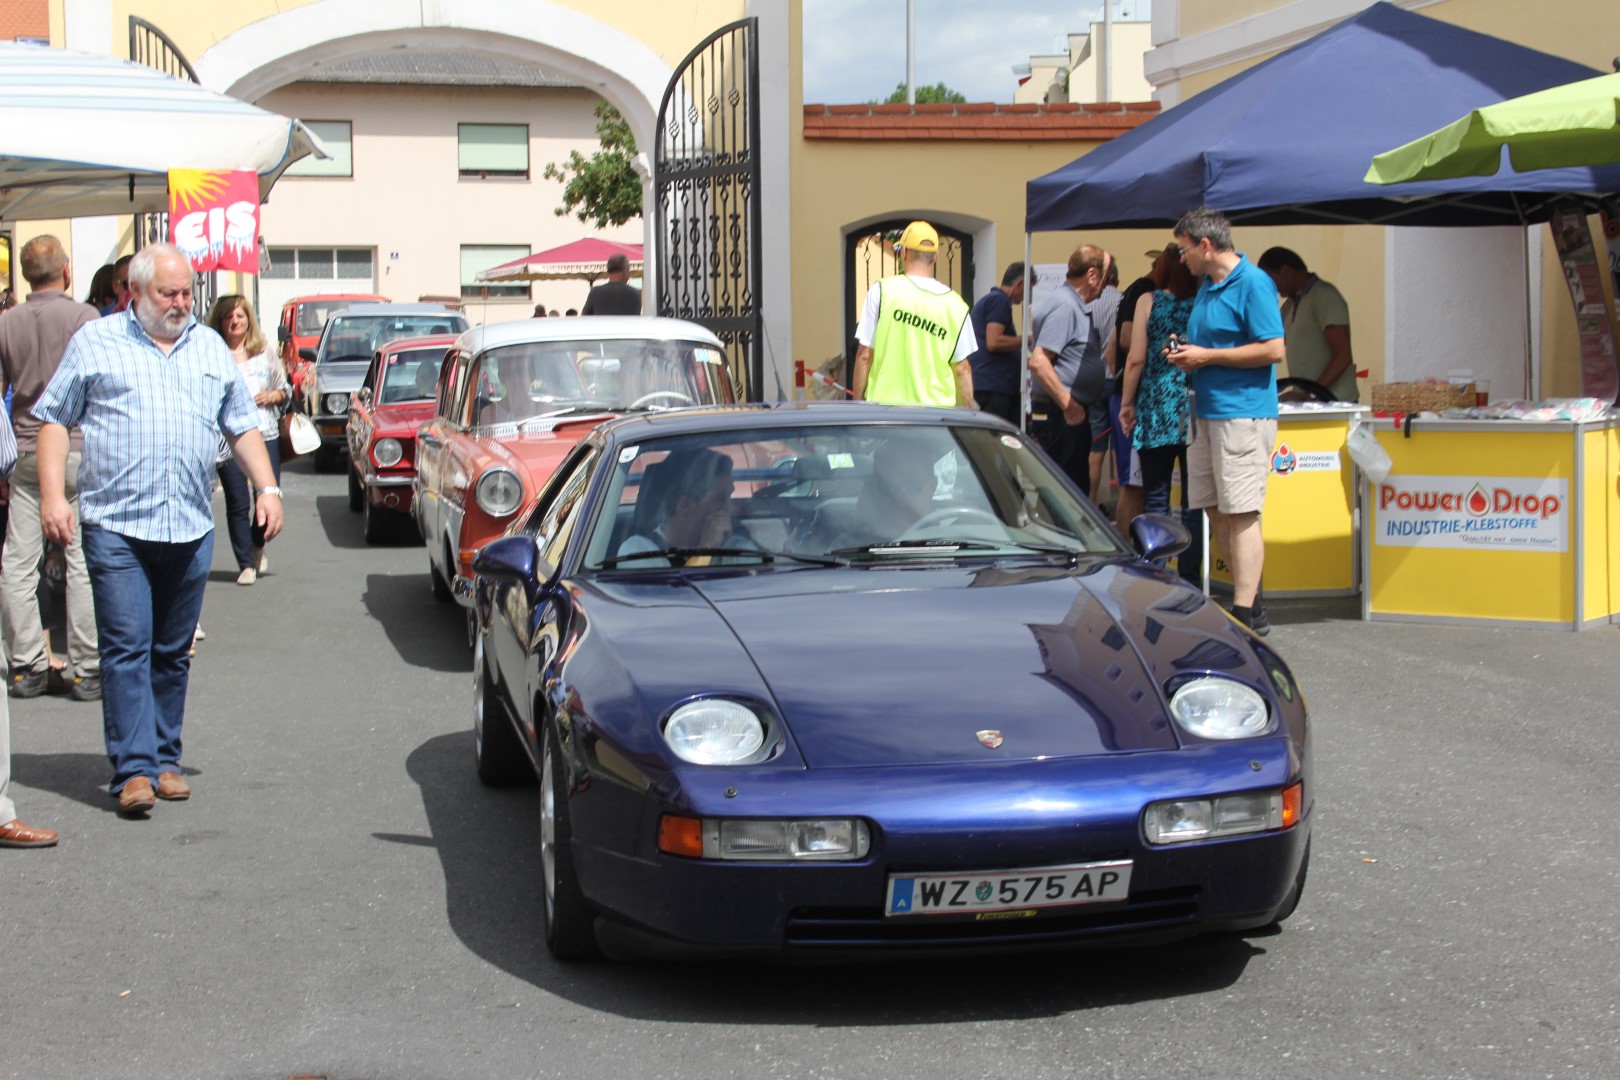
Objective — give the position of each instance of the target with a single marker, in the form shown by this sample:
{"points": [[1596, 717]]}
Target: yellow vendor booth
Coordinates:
{"points": [[1503, 522], [1309, 522]]}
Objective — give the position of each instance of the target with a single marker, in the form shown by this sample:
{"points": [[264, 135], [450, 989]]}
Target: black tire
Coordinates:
{"points": [[567, 915], [497, 749], [380, 526], [1297, 891], [441, 587], [1292, 389], [325, 458], [357, 494]]}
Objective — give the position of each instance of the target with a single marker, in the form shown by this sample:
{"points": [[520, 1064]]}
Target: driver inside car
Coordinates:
{"points": [[685, 502]]}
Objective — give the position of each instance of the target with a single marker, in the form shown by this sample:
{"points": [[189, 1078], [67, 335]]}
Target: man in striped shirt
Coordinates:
{"points": [[153, 391]]}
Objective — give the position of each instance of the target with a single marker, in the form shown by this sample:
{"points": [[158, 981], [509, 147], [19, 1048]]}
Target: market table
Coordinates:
{"points": [[1505, 522]]}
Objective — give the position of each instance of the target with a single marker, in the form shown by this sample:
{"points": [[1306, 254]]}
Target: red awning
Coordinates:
{"points": [[585, 258]]}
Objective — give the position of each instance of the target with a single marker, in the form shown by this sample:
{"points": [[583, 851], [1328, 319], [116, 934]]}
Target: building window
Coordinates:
{"points": [[338, 138], [320, 264], [488, 151], [476, 257]]}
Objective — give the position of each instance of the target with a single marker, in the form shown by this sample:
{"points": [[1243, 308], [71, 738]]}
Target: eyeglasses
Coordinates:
{"points": [[1185, 251]]}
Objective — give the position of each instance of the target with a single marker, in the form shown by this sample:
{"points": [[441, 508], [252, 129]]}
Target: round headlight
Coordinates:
{"points": [[1213, 708], [498, 492], [388, 452], [714, 732], [336, 403]]}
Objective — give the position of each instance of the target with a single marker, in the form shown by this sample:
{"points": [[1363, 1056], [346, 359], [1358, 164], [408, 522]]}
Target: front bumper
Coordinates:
{"points": [[334, 430], [1032, 814]]}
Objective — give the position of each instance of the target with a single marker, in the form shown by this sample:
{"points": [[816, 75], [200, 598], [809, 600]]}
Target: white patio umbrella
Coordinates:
{"points": [[84, 135]]}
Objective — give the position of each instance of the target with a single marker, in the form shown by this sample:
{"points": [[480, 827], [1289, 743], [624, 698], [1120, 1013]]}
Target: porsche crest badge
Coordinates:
{"points": [[989, 737]]}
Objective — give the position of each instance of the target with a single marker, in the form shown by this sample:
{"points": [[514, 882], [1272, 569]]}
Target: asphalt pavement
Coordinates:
{"points": [[341, 898]]}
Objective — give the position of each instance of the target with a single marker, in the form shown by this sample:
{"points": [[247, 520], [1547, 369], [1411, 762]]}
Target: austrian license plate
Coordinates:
{"points": [[1012, 892]]}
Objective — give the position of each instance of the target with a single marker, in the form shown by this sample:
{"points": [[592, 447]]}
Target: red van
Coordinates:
{"points": [[302, 319]]}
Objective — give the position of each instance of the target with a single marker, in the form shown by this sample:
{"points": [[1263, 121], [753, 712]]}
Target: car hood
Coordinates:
{"points": [[337, 376], [409, 416], [888, 666]]}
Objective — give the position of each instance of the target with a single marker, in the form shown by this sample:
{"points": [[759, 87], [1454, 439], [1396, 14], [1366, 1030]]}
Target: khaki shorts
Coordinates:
{"points": [[1228, 463]]}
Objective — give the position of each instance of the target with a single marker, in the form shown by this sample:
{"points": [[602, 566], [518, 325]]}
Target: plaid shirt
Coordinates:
{"points": [[151, 425]]}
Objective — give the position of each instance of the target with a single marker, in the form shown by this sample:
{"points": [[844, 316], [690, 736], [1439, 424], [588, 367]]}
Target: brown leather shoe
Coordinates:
{"points": [[15, 834], [172, 786], [136, 797]]}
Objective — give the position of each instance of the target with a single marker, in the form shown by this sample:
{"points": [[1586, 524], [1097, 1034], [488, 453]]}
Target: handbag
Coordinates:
{"points": [[298, 435]]}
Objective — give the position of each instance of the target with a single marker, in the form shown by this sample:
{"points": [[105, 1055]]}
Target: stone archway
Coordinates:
{"points": [[285, 47]]}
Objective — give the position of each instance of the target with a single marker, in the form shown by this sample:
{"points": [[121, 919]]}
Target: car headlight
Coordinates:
{"points": [[714, 731], [745, 839], [388, 452], [498, 492], [336, 403], [1216, 708], [1177, 821]]}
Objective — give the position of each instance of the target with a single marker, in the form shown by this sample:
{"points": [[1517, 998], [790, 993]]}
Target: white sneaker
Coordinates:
{"points": [[261, 560], [247, 577], [198, 635]]}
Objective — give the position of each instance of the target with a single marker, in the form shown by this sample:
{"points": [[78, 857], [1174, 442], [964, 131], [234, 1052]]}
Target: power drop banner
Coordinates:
{"points": [[214, 218]]}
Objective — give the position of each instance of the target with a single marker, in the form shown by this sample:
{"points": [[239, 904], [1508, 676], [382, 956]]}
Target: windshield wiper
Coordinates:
{"points": [[566, 410], [680, 556], [905, 547]]}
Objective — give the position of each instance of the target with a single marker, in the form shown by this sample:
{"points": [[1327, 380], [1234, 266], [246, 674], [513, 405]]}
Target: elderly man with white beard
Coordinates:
{"points": [[153, 391]]}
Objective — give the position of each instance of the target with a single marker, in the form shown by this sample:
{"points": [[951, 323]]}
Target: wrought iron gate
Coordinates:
{"points": [[706, 193], [869, 256]]}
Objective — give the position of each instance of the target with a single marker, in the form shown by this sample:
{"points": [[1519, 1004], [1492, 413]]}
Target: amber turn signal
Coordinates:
{"points": [[680, 836], [1293, 799]]}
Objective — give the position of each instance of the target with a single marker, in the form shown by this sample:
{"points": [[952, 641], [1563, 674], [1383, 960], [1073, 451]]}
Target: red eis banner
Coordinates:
{"points": [[214, 218]]}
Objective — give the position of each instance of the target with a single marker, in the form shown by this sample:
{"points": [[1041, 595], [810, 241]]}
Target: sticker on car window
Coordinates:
{"points": [[840, 461], [1012, 442], [628, 454]]}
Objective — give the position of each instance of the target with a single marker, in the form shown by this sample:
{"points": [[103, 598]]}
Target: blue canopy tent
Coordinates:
{"points": [[1287, 141]]}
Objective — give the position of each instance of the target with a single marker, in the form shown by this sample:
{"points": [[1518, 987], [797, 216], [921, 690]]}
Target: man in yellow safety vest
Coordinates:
{"points": [[915, 335]]}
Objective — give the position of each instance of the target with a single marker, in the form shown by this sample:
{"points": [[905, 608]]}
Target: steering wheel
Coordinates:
{"points": [[953, 513], [656, 394]]}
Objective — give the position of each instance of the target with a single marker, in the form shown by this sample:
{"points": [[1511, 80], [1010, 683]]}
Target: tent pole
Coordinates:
{"points": [[1023, 339]]}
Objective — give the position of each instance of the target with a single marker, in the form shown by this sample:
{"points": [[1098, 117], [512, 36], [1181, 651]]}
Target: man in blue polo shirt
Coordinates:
{"points": [[1234, 344]]}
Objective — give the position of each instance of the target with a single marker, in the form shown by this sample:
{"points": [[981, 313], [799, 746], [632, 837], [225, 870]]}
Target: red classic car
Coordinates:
{"points": [[514, 398], [396, 398], [302, 320]]}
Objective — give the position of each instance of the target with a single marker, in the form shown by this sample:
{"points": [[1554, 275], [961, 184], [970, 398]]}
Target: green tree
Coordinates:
{"points": [[602, 188], [927, 95]]}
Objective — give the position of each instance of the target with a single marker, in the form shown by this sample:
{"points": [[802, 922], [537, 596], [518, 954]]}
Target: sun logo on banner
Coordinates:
{"points": [[214, 218]]}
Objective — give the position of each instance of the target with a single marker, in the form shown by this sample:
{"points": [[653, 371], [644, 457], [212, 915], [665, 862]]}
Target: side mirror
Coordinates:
{"points": [[282, 335], [1158, 536], [511, 558], [307, 354], [363, 395]]}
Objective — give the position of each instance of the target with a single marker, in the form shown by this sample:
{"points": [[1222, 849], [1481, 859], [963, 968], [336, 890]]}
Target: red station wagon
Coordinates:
{"points": [[514, 399], [396, 398]]}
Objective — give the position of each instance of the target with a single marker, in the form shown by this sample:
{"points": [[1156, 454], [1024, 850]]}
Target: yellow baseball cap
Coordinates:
{"points": [[919, 236]]}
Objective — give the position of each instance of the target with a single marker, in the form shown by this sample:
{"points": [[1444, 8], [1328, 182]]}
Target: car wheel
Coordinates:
{"points": [[379, 525], [441, 587], [357, 494], [326, 458], [568, 916], [497, 750], [1297, 891]]}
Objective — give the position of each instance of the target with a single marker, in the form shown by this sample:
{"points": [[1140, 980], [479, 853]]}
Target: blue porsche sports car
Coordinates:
{"points": [[836, 680]]}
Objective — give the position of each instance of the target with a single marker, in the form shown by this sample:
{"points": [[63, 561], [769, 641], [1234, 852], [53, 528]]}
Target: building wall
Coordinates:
{"points": [[405, 180], [24, 19], [1391, 292], [1131, 41]]}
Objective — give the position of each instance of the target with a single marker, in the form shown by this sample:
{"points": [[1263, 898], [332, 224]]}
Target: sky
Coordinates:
{"points": [[855, 50]]}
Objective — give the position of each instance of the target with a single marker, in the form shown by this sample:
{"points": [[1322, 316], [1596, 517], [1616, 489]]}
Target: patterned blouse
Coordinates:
{"points": [[1161, 397]]}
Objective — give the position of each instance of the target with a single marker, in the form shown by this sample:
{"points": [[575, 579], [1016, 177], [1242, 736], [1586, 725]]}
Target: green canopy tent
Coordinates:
{"points": [[1569, 126]]}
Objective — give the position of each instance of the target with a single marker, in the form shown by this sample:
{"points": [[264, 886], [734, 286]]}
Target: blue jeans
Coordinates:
{"points": [[148, 596], [246, 533]]}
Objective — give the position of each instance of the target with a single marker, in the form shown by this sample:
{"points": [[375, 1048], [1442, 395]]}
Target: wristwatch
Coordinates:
{"points": [[270, 489]]}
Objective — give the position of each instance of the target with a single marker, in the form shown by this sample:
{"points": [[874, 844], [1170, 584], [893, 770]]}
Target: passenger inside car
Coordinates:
{"points": [[895, 497], [685, 502]]}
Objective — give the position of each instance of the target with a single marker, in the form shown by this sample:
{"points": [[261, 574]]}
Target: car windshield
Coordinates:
{"points": [[356, 337], [860, 493], [312, 315], [411, 375], [537, 379]]}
